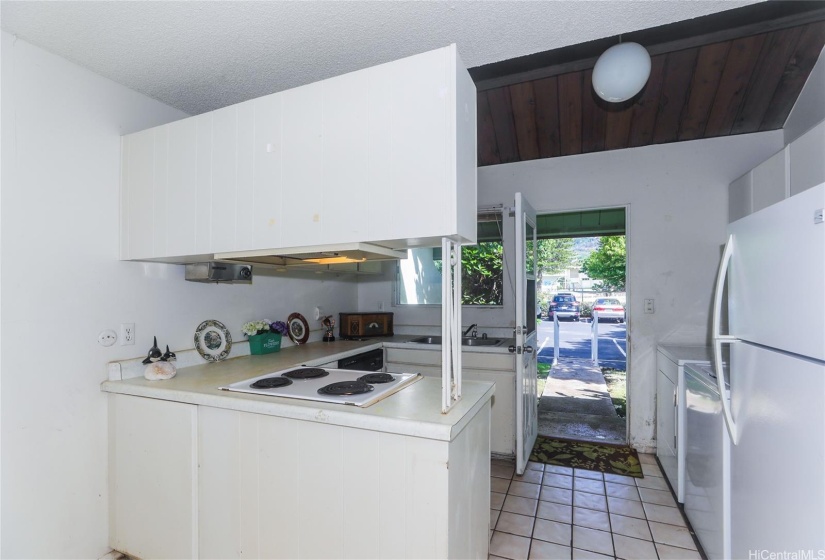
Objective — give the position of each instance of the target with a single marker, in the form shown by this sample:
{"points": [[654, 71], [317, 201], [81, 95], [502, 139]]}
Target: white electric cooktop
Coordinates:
{"points": [[340, 386]]}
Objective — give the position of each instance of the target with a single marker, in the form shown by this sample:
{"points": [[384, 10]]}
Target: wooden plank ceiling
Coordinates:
{"points": [[738, 85]]}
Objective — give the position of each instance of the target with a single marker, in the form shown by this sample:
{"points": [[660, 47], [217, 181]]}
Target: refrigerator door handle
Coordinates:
{"points": [[720, 339]]}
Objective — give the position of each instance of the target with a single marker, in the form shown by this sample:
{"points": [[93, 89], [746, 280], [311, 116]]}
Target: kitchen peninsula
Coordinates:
{"points": [[196, 472]]}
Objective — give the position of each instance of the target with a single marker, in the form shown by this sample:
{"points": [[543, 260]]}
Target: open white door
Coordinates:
{"points": [[525, 347]]}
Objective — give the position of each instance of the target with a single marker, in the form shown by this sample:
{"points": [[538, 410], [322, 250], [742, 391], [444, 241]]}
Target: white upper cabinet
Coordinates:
{"points": [[808, 160], [770, 181], [800, 166], [385, 155]]}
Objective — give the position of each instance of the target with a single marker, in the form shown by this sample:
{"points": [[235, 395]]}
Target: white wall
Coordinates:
{"points": [[62, 284], [676, 196]]}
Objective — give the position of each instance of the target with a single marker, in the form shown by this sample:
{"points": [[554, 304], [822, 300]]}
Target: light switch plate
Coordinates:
{"points": [[649, 307]]}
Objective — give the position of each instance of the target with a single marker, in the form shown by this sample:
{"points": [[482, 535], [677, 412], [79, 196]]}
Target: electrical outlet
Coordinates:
{"points": [[127, 334], [107, 337], [649, 308]]}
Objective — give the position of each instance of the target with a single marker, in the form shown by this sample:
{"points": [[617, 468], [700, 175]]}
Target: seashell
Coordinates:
{"points": [[160, 370]]}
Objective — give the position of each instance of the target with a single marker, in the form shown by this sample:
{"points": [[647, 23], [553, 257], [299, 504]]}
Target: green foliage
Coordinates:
{"points": [[616, 381], [586, 309], [608, 264], [554, 255], [482, 274], [542, 373]]}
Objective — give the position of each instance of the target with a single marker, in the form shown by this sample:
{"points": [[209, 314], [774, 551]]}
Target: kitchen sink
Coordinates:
{"points": [[481, 341], [466, 341]]}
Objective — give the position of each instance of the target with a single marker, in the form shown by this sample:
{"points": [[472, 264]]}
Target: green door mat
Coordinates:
{"points": [[604, 457]]}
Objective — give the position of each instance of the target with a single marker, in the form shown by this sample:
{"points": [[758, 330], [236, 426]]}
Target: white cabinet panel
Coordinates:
{"points": [[768, 183], [497, 368], [153, 462], [471, 500], [319, 446], [218, 515], [266, 180], [740, 194], [385, 155], [244, 193], [345, 162], [808, 159], [278, 488], [418, 159], [182, 188], [224, 178], [279, 460], [380, 130], [159, 188], [203, 174], [301, 170], [360, 471], [139, 192], [666, 418], [393, 498]]}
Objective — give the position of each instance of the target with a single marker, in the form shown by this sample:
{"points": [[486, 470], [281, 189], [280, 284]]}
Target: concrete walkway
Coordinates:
{"points": [[576, 405]]}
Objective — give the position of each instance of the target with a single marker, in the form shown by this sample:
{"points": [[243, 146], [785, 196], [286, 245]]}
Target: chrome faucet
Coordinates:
{"points": [[474, 329]]}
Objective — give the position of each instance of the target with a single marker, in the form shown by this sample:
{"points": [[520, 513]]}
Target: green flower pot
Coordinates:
{"points": [[264, 343]]}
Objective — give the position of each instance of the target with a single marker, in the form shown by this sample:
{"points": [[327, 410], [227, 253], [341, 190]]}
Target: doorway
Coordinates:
{"points": [[582, 361]]}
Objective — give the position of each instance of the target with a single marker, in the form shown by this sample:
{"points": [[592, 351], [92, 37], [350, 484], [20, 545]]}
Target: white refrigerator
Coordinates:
{"points": [[774, 262]]}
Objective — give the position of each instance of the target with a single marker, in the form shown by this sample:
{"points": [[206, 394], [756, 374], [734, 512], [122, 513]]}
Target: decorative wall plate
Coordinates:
{"points": [[298, 328], [213, 341]]}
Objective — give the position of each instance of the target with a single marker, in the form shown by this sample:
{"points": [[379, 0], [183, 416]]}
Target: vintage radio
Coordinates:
{"points": [[361, 325]]}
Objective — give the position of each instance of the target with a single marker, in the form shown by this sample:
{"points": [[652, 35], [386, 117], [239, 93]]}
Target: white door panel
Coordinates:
{"points": [[526, 379], [777, 485], [777, 276]]}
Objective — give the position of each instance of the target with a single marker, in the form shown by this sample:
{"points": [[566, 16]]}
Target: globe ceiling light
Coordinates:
{"points": [[621, 72]]}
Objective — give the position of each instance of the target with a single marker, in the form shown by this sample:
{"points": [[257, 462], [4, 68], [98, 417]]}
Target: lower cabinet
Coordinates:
{"points": [[498, 368], [200, 482], [666, 418], [670, 409], [153, 477]]}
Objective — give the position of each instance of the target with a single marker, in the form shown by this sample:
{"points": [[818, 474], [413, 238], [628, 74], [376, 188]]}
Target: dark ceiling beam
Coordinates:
{"points": [[723, 26]]}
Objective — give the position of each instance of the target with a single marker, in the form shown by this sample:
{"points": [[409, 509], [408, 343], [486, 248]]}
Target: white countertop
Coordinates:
{"points": [[414, 411], [398, 342]]}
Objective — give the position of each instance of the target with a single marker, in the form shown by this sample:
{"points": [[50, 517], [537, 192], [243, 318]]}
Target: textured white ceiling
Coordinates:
{"points": [[200, 56]]}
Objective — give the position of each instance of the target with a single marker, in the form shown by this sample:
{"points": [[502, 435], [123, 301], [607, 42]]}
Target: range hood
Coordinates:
{"points": [[342, 253]]}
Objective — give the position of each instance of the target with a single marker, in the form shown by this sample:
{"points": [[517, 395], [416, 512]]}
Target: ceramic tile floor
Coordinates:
{"points": [[557, 512]]}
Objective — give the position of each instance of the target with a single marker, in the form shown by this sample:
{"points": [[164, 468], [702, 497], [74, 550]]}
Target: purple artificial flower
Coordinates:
{"points": [[279, 327]]}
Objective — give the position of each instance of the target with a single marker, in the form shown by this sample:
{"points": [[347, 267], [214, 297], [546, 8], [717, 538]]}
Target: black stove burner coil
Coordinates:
{"points": [[271, 383], [377, 378], [343, 388], [306, 373]]}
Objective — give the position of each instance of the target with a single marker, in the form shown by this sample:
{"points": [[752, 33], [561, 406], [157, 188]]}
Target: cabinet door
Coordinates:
{"points": [[301, 169], [180, 210], [740, 194], [153, 464], [422, 193], [224, 178], [137, 212], [666, 424], [769, 184], [266, 178], [203, 174], [808, 160], [244, 176], [345, 163]]}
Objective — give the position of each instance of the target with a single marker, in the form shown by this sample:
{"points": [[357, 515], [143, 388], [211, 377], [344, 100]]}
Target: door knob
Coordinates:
{"points": [[511, 349], [528, 349]]}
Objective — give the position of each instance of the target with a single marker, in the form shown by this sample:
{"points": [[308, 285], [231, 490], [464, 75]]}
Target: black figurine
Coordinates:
{"points": [[155, 355], [168, 356]]}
